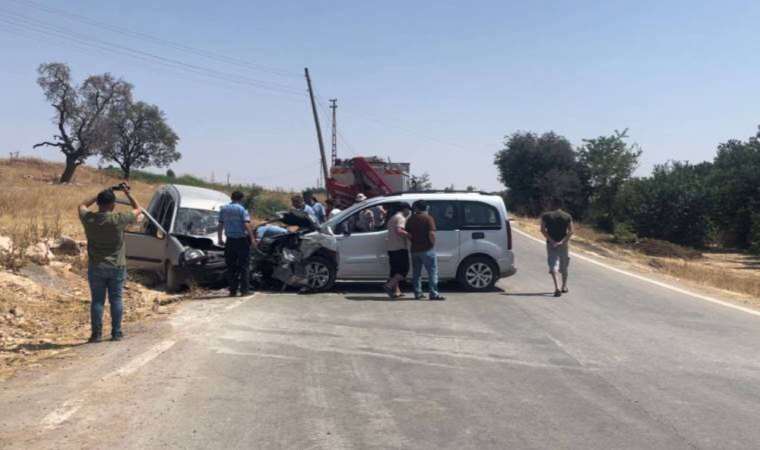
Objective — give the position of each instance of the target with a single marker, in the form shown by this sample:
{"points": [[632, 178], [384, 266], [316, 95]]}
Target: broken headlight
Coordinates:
{"points": [[193, 255]]}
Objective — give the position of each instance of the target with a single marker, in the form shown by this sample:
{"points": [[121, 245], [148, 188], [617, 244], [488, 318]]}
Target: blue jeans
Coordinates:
{"points": [[429, 260], [106, 278]]}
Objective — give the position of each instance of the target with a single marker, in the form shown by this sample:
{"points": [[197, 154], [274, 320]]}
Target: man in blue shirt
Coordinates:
{"points": [[235, 222], [319, 210], [264, 231]]}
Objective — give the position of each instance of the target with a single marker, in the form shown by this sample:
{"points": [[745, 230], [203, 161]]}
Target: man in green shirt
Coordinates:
{"points": [[557, 227], [107, 265]]}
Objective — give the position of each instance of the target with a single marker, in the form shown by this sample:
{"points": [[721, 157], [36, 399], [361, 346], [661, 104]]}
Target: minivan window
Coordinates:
{"points": [[445, 214], [367, 220], [480, 215]]}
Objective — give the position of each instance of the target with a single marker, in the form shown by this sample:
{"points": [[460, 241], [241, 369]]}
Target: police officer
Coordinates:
{"points": [[235, 222]]}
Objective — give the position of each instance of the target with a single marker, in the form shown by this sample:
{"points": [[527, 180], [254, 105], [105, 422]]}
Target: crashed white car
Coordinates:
{"points": [[178, 239]]}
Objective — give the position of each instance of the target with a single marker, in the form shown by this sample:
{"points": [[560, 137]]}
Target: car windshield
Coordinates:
{"points": [[196, 222]]}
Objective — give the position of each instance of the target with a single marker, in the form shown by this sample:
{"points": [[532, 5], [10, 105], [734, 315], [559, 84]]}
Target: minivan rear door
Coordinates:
{"points": [[447, 236], [482, 230]]}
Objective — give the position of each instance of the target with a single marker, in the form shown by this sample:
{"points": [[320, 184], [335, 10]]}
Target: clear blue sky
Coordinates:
{"points": [[437, 84]]}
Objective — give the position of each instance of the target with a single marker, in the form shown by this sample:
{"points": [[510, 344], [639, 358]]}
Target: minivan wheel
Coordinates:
{"points": [[478, 274], [320, 273]]}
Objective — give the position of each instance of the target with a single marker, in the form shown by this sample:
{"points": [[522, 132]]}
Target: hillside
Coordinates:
{"points": [[44, 298]]}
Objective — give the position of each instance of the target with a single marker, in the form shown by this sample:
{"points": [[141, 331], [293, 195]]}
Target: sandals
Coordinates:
{"points": [[565, 290], [558, 293]]}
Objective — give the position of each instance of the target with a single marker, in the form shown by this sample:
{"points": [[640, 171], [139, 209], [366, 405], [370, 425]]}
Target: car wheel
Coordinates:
{"points": [[478, 274], [172, 278], [320, 273]]}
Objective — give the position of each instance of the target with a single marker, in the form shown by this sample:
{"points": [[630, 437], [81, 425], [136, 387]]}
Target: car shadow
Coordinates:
{"points": [[353, 287]]}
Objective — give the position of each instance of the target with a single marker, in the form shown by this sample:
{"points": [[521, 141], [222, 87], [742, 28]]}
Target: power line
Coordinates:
{"points": [[160, 41], [52, 30], [181, 75]]}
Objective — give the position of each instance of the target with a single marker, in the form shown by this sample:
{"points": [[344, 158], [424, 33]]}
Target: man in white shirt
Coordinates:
{"points": [[398, 251]]}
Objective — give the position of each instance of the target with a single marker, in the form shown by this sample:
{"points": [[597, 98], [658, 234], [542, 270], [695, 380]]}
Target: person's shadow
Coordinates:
{"points": [[529, 294], [379, 298]]}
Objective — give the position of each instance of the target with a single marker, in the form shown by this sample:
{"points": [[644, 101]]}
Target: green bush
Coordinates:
{"points": [[268, 206], [624, 234], [755, 234]]}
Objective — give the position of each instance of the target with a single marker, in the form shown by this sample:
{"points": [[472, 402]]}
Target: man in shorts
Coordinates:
{"points": [[398, 251], [557, 228]]}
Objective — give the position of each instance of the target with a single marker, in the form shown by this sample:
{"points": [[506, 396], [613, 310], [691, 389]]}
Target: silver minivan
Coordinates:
{"points": [[473, 238]]}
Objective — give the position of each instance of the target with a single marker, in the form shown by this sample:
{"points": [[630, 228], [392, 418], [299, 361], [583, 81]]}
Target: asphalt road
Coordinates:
{"points": [[617, 363]]}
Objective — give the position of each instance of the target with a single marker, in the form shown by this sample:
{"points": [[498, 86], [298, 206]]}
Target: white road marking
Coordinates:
{"points": [[141, 360], [61, 414], [70, 407], [651, 281]]}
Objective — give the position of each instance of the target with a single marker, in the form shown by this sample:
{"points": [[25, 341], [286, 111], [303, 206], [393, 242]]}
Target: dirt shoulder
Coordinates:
{"points": [[729, 275]]}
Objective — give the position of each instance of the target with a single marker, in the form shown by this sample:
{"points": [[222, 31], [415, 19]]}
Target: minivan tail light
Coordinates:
{"points": [[509, 236]]}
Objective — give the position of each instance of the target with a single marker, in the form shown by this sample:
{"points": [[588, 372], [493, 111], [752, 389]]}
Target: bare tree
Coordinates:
{"points": [[81, 112], [421, 183], [141, 138]]}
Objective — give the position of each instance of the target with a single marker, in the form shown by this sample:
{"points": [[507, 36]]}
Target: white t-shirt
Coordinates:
{"points": [[395, 240]]}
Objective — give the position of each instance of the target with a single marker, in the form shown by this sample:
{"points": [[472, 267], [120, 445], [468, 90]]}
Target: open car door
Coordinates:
{"points": [[147, 248]]}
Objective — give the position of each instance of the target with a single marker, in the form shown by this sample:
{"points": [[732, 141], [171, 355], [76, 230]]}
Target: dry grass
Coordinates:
{"points": [[29, 197], [728, 271]]}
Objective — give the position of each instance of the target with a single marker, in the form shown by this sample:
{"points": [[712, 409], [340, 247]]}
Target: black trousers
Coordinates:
{"points": [[237, 254]]}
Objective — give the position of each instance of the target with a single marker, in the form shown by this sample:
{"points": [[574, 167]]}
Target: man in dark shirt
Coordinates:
{"points": [[235, 222], [557, 227], [421, 228], [107, 263]]}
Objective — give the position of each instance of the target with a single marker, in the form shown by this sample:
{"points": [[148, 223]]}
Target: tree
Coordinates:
{"points": [[736, 182], [170, 174], [140, 137], [535, 168], [421, 183], [608, 161], [80, 112], [471, 188], [673, 204]]}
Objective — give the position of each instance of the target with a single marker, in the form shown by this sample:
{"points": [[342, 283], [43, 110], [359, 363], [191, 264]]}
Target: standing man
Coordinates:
{"points": [[319, 210], [398, 251], [557, 227], [107, 262], [235, 222], [421, 227]]}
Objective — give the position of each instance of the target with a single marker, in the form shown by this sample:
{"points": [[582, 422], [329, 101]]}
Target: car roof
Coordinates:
{"points": [[200, 198], [411, 197]]}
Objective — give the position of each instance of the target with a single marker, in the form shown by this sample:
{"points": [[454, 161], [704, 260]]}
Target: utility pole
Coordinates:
{"points": [[334, 106], [316, 123]]}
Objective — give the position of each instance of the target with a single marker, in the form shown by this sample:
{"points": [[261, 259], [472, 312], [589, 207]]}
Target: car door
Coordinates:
{"points": [[481, 229], [146, 248], [362, 253], [447, 224]]}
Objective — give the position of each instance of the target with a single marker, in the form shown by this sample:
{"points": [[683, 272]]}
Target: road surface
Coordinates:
{"points": [[617, 363]]}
